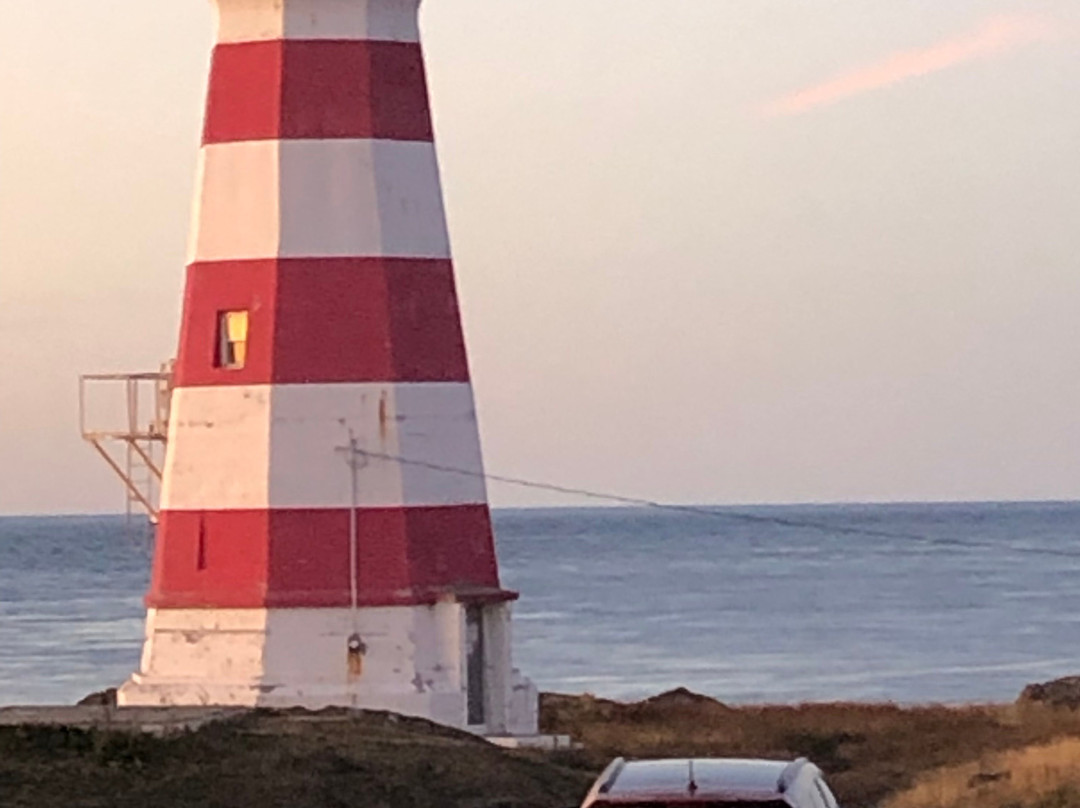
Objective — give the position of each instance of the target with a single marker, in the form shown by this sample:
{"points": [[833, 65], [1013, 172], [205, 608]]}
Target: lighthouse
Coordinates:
{"points": [[324, 535]]}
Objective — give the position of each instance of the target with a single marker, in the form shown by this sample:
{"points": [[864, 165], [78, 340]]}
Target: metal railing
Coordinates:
{"points": [[125, 418]]}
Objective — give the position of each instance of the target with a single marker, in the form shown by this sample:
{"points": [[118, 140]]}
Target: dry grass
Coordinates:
{"points": [[1041, 775], [933, 756], [868, 751]]}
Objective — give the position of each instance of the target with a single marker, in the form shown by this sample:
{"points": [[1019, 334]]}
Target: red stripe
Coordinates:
{"points": [[299, 558], [191, 560], [300, 89], [244, 95], [342, 320], [326, 321], [247, 285]]}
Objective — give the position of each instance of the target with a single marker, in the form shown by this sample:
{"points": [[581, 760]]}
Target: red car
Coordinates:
{"points": [[711, 783]]}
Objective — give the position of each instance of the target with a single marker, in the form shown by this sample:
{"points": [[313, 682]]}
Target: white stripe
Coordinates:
{"points": [[218, 448], [280, 446], [237, 210], [260, 20], [319, 198]]}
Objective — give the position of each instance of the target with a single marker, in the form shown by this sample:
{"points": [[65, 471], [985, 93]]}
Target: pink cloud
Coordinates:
{"points": [[995, 36]]}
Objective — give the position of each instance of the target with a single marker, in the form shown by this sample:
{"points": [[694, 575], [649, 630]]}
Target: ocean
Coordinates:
{"points": [[910, 603]]}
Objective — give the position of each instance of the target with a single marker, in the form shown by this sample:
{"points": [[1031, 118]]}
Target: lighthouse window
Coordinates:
{"points": [[232, 335]]}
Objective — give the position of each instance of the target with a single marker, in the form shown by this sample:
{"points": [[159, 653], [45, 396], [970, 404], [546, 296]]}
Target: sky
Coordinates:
{"points": [[708, 251]]}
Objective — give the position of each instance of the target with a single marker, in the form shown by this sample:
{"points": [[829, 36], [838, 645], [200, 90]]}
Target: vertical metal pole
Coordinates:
{"points": [[355, 647], [132, 430], [353, 549], [82, 406]]}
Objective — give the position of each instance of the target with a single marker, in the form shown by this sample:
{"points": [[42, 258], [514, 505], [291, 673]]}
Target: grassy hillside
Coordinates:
{"points": [[868, 751], [929, 757], [277, 760]]}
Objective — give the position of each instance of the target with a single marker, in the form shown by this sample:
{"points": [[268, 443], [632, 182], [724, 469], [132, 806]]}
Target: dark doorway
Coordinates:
{"points": [[475, 664]]}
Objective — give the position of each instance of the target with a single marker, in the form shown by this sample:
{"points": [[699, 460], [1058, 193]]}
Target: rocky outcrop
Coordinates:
{"points": [[106, 698], [1058, 693], [682, 698]]}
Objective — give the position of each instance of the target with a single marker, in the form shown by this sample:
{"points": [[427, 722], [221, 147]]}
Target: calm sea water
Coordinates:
{"points": [[626, 603]]}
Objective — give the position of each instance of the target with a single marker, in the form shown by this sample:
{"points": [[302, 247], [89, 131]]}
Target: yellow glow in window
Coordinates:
{"points": [[232, 339]]}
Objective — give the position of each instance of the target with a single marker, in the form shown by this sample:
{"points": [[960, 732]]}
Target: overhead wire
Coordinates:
{"points": [[720, 512]]}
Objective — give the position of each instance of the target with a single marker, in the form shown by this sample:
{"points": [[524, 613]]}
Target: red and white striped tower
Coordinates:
{"points": [[298, 560]]}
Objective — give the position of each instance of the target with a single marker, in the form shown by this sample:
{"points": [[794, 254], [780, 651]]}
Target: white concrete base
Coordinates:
{"points": [[548, 743], [414, 662]]}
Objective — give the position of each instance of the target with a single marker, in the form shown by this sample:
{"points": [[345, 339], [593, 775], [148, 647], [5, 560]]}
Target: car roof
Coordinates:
{"points": [[727, 778]]}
